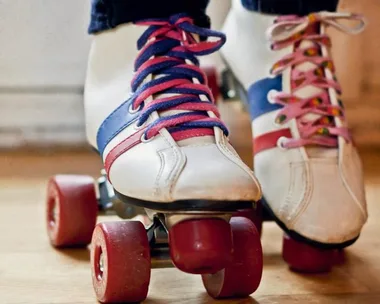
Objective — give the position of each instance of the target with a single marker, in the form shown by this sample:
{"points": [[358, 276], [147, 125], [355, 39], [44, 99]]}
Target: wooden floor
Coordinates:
{"points": [[33, 272]]}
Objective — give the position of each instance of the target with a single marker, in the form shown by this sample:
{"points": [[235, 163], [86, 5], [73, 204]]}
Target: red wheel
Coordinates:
{"points": [[302, 257], [120, 262], [254, 215], [339, 257], [212, 80], [201, 245], [72, 209], [242, 277]]}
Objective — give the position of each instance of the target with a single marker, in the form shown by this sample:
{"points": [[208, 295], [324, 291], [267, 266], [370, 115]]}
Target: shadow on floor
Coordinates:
{"points": [[273, 259], [78, 254], [204, 298]]}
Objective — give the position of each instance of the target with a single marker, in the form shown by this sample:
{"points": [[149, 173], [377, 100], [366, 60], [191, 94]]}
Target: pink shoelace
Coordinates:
{"points": [[320, 118]]}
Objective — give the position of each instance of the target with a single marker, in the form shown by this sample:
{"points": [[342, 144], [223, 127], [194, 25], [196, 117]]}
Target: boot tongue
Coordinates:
{"points": [[166, 113], [187, 141], [307, 92]]}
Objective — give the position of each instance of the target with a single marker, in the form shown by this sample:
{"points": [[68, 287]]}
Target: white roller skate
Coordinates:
{"points": [[152, 117], [304, 156]]}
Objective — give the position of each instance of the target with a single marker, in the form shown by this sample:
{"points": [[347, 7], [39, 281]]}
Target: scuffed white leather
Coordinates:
{"points": [[329, 212], [211, 166], [318, 198], [160, 170]]}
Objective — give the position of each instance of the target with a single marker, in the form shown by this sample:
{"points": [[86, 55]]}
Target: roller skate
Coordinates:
{"points": [[304, 157], [165, 150]]}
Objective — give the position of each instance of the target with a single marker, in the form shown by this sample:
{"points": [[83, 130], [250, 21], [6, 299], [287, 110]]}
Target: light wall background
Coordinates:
{"points": [[43, 51], [43, 54]]}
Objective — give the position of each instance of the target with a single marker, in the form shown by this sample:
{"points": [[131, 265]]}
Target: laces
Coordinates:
{"points": [[168, 79], [320, 121]]}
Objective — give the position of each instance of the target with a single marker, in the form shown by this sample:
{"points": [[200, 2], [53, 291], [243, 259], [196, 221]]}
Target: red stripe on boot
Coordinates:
{"points": [[269, 140], [122, 147]]}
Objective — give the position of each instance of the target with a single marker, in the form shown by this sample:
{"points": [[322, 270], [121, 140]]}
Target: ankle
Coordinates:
{"points": [[247, 51]]}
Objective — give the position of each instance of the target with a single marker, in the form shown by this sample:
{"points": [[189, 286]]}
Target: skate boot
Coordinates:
{"points": [[153, 119], [304, 157]]}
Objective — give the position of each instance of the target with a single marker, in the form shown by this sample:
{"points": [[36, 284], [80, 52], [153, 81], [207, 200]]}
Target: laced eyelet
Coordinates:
{"points": [[131, 110], [137, 127], [271, 96], [144, 139], [281, 142], [276, 124]]}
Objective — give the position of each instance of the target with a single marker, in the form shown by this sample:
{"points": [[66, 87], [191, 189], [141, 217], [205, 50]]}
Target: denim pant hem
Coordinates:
{"points": [[107, 14], [290, 7]]}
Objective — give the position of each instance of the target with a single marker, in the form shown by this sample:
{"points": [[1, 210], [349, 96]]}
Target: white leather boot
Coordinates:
{"points": [[304, 156], [152, 118]]}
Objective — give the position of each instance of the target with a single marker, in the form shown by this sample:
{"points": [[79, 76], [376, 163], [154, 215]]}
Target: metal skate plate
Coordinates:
{"points": [[158, 240], [110, 204], [232, 89]]}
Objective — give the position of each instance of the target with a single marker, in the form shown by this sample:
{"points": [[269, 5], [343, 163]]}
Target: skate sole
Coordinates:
{"points": [[196, 205], [300, 238]]}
